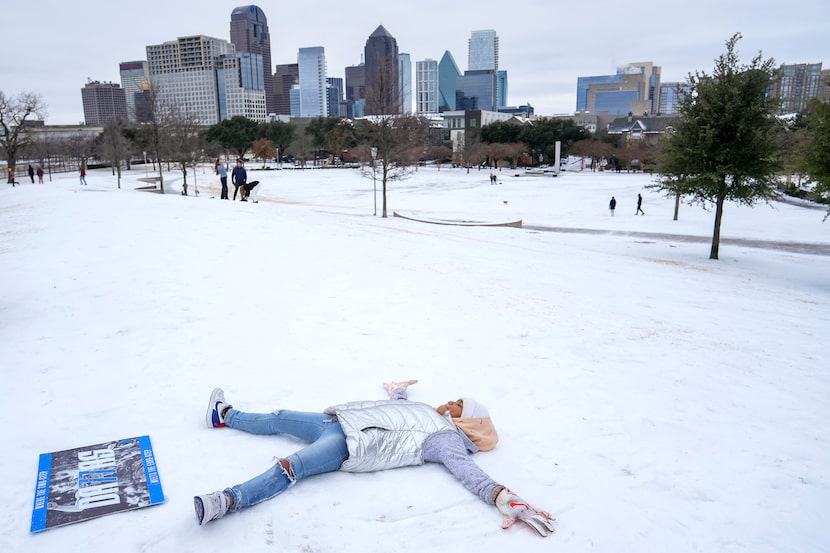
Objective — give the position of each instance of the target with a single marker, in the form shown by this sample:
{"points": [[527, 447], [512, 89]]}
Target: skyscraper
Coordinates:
{"points": [[405, 72], [671, 94], [476, 90], [286, 76], [483, 53], [383, 94], [337, 106], [249, 33], [241, 90], [312, 69], [356, 90], [501, 89], [135, 78], [448, 74], [183, 73], [426, 86], [103, 102], [798, 84]]}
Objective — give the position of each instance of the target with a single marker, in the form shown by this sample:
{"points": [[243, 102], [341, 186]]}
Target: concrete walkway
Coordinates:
{"points": [[794, 247]]}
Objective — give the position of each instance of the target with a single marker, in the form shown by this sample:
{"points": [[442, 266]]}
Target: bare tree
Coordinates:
{"points": [[184, 141], [14, 112], [263, 149], [42, 148], [81, 148], [113, 146], [439, 154], [397, 142], [154, 132]]}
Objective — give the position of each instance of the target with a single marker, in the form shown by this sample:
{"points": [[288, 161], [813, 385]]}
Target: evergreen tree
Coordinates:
{"points": [[817, 148], [725, 145], [235, 134]]}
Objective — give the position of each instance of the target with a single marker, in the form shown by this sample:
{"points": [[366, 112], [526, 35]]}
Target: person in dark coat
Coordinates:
{"points": [[238, 177], [32, 173], [640, 205], [612, 205]]}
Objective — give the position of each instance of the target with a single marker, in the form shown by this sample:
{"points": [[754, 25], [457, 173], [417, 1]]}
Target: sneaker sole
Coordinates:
{"points": [[199, 507]]}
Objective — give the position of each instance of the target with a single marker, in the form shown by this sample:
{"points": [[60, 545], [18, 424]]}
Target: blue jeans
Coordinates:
{"points": [[325, 453]]}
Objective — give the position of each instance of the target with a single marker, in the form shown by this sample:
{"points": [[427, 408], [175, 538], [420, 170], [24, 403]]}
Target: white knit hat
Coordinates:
{"points": [[473, 409]]}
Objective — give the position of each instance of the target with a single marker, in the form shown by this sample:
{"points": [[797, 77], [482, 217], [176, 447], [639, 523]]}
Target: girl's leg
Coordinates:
{"points": [[306, 426], [326, 454]]}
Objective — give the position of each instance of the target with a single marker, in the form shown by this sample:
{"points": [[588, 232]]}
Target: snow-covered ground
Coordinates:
{"points": [[650, 398]]}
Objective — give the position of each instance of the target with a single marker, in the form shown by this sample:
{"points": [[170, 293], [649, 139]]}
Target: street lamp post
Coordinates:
{"points": [[374, 178]]}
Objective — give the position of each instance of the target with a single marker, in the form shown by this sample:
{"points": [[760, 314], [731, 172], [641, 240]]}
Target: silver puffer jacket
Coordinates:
{"points": [[387, 434]]}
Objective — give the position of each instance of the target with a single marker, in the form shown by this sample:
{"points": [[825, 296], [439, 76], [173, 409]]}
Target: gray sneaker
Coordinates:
{"points": [[217, 406], [210, 506]]}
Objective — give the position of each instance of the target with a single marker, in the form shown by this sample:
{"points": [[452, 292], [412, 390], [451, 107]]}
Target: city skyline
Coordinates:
{"points": [[544, 48]]}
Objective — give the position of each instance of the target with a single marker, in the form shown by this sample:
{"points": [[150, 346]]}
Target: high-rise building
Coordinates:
{"points": [[249, 33], [356, 90], [671, 94], [383, 94], [797, 85], [634, 89], [285, 78], [448, 74], [501, 89], [183, 73], [824, 86], [103, 102], [483, 51], [312, 82], [334, 92], [426, 86], [135, 79], [476, 90], [405, 72], [241, 87]]}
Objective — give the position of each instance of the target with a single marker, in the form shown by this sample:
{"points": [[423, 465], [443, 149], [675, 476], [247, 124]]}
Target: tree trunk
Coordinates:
{"points": [[384, 188], [713, 254], [676, 206]]}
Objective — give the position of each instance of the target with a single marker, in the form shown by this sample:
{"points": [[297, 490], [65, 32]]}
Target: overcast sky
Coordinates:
{"points": [[53, 47]]}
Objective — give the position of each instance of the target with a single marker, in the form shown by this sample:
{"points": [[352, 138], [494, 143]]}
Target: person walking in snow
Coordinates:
{"points": [[222, 171], [612, 205], [11, 176], [640, 205], [238, 177], [32, 173], [83, 175], [368, 436], [40, 174]]}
